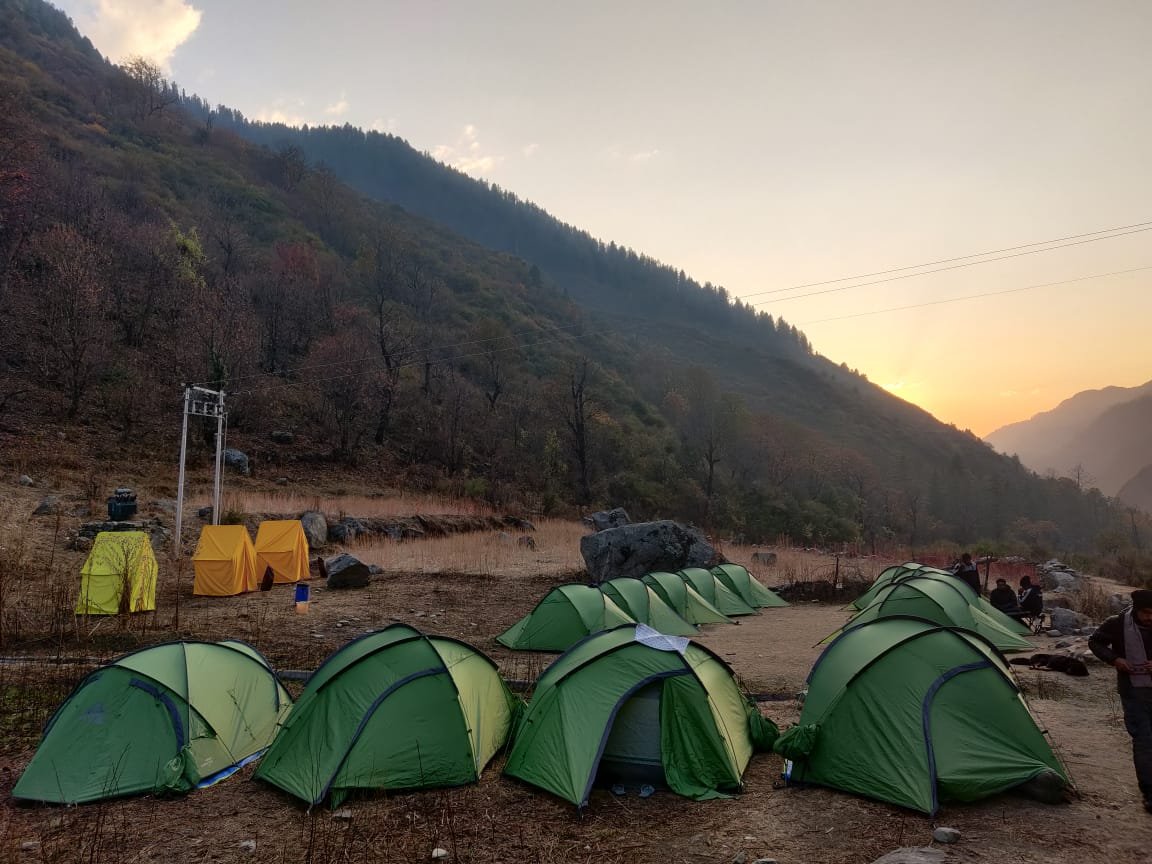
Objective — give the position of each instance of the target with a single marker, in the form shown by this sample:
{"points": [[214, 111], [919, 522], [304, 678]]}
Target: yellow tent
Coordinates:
{"points": [[225, 562], [281, 545], [118, 560]]}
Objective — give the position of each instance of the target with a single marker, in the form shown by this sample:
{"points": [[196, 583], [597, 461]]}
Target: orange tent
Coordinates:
{"points": [[281, 545], [225, 562]]}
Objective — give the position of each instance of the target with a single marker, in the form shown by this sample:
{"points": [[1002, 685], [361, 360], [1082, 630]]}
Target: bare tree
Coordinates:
{"points": [[149, 91], [577, 412]]}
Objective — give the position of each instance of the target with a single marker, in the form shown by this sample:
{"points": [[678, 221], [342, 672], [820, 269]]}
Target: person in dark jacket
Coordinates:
{"points": [[1125, 642], [1004, 598], [966, 571], [1030, 596]]}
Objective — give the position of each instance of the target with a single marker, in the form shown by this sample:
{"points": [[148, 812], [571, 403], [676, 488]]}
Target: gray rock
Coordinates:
{"points": [[1057, 601], [1117, 603], [49, 506], [945, 835], [1047, 787], [281, 481], [345, 571], [283, 436], [25, 480], [168, 505], [1065, 620], [764, 861], [439, 854], [740, 858], [605, 519], [1064, 643], [342, 813], [634, 550], [766, 558], [205, 513], [248, 846], [1062, 581], [237, 459], [81, 543], [1087, 631], [346, 530], [1055, 634], [912, 855], [315, 528]]}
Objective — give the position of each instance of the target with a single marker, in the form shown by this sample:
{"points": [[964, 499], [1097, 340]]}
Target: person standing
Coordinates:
{"points": [[1125, 642], [966, 571]]}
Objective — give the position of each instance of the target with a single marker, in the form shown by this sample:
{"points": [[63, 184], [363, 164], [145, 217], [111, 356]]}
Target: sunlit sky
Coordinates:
{"points": [[762, 145]]}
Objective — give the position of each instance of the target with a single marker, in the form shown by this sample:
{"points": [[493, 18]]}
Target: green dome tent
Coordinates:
{"points": [[645, 605], [906, 711], [631, 704], [715, 592], [901, 572], [566, 615], [941, 602], [163, 719], [685, 599], [750, 590], [394, 709]]}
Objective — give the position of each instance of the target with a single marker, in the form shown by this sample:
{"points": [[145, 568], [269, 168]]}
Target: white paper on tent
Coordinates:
{"points": [[653, 638]]}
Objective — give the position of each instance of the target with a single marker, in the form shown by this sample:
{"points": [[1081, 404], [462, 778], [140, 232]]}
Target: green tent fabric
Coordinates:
{"points": [[646, 606], [942, 602], [162, 719], [394, 709], [903, 710], [715, 592], [706, 728], [566, 615], [685, 599], [902, 572], [750, 590]]}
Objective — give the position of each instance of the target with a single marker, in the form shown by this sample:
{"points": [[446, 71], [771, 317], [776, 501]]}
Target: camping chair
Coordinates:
{"points": [[1034, 621]]}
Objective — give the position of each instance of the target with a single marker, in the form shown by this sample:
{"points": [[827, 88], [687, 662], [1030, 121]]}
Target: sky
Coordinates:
{"points": [[762, 145]]}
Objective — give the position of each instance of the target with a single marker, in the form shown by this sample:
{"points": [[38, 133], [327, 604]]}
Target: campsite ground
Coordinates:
{"points": [[474, 587]]}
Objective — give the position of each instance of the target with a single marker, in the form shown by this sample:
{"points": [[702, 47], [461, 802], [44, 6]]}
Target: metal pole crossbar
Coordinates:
{"points": [[200, 402]]}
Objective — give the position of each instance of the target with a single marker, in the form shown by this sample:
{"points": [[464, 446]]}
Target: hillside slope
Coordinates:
{"points": [[1106, 432], [142, 246]]}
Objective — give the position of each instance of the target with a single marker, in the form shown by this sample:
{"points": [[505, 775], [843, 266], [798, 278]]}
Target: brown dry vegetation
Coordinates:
{"points": [[472, 587]]}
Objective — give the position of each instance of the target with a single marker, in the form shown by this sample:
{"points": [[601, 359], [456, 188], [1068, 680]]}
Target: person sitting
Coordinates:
{"points": [[1030, 597], [966, 571], [1004, 599]]}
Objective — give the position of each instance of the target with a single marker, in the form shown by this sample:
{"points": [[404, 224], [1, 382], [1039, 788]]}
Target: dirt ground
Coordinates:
{"points": [[501, 820]]}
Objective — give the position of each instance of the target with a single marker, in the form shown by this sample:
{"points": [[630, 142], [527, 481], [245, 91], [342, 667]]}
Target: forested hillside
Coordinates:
{"points": [[144, 242]]}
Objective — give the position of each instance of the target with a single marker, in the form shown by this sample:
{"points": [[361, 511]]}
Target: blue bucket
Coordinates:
{"points": [[301, 593]]}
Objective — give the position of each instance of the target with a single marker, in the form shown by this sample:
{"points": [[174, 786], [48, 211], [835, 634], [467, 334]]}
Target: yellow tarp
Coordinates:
{"points": [[225, 561], [281, 545], [118, 559]]}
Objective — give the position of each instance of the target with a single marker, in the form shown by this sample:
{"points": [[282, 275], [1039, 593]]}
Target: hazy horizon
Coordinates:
{"points": [[761, 146]]}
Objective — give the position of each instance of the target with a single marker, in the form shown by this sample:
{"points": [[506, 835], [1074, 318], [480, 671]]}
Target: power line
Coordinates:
{"points": [[975, 296], [1112, 233]]}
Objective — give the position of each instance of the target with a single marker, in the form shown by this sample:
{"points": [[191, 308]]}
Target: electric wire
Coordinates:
{"points": [[975, 296], [928, 272]]}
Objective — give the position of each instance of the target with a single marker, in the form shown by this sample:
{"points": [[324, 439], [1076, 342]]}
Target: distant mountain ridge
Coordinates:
{"points": [[1106, 434]]}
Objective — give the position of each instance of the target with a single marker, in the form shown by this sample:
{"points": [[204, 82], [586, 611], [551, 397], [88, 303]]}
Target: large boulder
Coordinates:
{"points": [[633, 550], [315, 528], [1067, 621], [345, 571], [605, 519], [1062, 580], [346, 530], [237, 459]]}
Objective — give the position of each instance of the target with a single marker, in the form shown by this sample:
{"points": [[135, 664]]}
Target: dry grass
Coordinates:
{"points": [[555, 546], [367, 506]]}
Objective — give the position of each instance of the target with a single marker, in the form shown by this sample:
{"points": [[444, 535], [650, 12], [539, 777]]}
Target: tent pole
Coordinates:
{"points": [[180, 482]]}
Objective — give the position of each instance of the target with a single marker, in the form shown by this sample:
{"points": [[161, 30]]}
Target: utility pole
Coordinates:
{"points": [[200, 402]]}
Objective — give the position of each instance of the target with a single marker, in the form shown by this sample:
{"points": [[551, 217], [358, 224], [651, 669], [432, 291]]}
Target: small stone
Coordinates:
{"points": [[1064, 643], [945, 835], [25, 480], [281, 481], [438, 854], [342, 813], [740, 858], [248, 846], [764, 861], [29, 845], [1053, 634]]}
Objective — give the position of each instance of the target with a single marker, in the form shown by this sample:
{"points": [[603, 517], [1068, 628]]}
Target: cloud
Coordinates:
{"points": [[644, 156], [530, 150], [286, 111], [467, 154], [148, 28], [382, 125], [338, 108]]}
